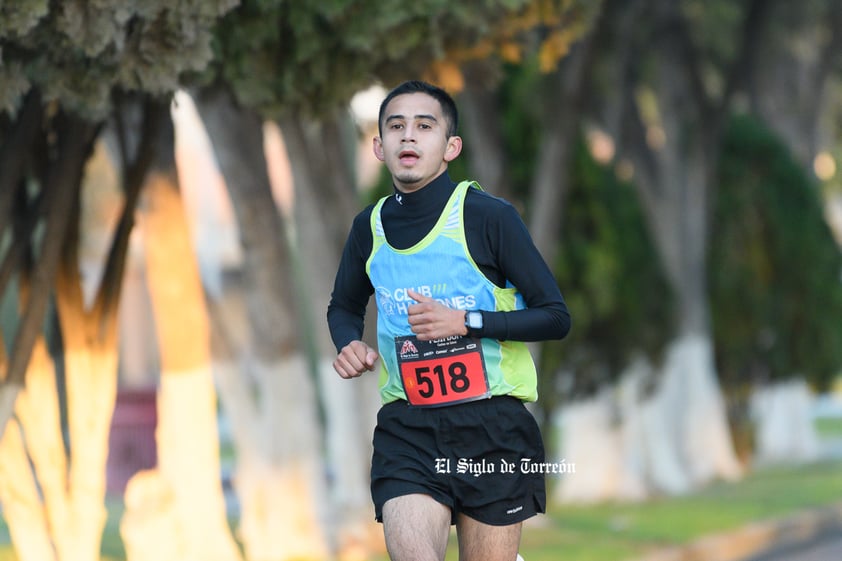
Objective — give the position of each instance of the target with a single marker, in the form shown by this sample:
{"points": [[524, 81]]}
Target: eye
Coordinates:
{"points": [[396, 126]]}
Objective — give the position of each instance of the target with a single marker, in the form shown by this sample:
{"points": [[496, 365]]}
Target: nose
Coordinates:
{"points": [[408, 135]]}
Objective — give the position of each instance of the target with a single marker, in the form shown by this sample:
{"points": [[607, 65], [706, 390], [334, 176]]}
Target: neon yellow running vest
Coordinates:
{"points": [[440, 266]]}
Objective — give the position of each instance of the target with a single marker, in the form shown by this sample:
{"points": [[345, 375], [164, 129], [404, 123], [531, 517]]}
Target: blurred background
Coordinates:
{"points": [[177, 181]]}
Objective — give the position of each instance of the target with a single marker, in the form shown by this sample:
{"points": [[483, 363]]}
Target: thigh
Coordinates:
{"points": [[484, 542], [404, 457], [416, 528]]}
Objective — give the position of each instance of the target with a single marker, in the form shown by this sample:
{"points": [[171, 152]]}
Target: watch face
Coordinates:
{"points": [[474, 320]]}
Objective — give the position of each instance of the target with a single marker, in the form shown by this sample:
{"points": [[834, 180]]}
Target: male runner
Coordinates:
{"points": [[459, 287]]}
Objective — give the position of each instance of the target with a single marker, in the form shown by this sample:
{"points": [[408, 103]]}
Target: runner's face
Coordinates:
{"points": [[415, 146]]}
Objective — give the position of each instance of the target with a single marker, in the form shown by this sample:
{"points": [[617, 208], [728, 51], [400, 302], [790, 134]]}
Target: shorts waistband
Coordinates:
{"points": [[493, 398]]}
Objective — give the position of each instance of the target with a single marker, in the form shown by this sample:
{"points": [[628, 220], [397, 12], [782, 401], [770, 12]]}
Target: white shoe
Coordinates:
{"points": [[519, 558]]}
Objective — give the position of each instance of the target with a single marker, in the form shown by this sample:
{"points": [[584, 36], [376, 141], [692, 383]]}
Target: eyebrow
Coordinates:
{"points": [[428, 117]]}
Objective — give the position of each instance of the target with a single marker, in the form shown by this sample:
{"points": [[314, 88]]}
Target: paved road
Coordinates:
{"points": [[826, 548]]}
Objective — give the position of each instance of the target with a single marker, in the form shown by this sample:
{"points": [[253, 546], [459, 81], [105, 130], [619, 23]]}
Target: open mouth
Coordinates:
{"points": [[408, 157]]}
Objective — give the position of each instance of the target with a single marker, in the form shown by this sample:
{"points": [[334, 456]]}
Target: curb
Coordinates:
{"points": [[755, 538]]}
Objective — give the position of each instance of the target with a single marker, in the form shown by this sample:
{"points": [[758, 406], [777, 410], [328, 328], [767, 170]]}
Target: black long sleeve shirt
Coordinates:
{"points": [[498, 241]]}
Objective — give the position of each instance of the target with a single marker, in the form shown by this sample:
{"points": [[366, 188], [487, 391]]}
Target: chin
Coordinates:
{"points": [[408, 179]]}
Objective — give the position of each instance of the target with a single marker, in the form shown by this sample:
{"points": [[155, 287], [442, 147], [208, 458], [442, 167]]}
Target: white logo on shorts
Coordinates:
{"points": [[514, 510]]}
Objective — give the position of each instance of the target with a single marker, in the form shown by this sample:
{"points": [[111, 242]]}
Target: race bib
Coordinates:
{"points": [[442, 372]]}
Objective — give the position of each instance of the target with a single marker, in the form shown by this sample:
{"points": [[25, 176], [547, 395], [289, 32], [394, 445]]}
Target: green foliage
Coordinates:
{"points": [[613, 284], [77, 51], [715, 25], [776, 284], [287, 55], [276, 55], [522, 129]]}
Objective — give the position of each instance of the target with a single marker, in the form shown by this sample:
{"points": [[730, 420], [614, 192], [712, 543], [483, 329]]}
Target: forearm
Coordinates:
{"points": [[503, 250], [532, 324], [344, 326], [351, 288]]}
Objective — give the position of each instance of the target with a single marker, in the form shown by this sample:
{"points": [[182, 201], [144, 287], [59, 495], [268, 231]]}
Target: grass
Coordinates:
{"points": [[618, 531], [612, 532], [829, 427]]}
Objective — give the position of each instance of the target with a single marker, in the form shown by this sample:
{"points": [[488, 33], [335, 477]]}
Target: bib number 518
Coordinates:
{"points": [[456, 379], [445, 380]]}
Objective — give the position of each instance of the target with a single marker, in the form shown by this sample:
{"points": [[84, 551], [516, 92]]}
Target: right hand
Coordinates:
{"points": [[355, 358]]}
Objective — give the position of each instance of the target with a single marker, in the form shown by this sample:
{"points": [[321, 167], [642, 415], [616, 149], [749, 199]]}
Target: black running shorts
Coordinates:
{"points": [[472, 457]]}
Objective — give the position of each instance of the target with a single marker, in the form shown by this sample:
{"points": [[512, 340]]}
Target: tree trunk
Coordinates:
{"points": [[833, 212], [590, 440], [481, 121], [15, 149], [73, 491], [564, 99], [29, 521], [281, 480], [22, 506], [91, 379], [349, 416], [90, 345], [791, 90], [784, 430], [73, 497], [674, 161], [60, 190], [789, 87], [187, 479]]}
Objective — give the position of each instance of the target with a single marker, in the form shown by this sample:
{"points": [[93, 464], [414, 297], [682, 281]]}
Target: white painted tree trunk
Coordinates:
{"points": [[91, 376], [688, 437], [706, 439], [630, 396], [349, 416], [186, 486], [280, 478], [68, 495], [281, 485], [22, 506], [150, 528], [268, 394], [71, 490], [784, 430], [627, 445], [188, 459], [686, 422], [606, 439], [590, 441], [661, 433]]}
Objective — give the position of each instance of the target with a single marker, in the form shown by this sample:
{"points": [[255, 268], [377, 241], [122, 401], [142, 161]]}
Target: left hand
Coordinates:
{"points": [[430, 319]]}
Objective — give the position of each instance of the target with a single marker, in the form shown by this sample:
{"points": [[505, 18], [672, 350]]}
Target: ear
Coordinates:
{"points": [[453, 149], [378, 149]]}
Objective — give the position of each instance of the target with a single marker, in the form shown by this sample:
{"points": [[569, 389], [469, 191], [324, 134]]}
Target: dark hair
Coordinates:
{"points": [[448, 106]]}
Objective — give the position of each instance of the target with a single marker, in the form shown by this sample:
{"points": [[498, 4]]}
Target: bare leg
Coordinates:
{"points": [[416, 528], [483, 542]]}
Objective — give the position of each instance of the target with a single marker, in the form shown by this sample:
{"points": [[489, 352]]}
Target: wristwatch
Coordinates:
{"points": [[473, 322]]}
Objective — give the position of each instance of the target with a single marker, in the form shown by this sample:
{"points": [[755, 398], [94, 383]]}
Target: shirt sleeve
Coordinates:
{"points": [[513, 253], [352, 287]]}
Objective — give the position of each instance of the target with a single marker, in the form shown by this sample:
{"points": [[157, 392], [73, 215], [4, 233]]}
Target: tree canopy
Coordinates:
{"points": [[76, 51], [284, 55]]}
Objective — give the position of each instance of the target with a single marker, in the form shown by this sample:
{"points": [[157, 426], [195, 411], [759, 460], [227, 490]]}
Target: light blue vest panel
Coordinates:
{"points": [[441, 267]]}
